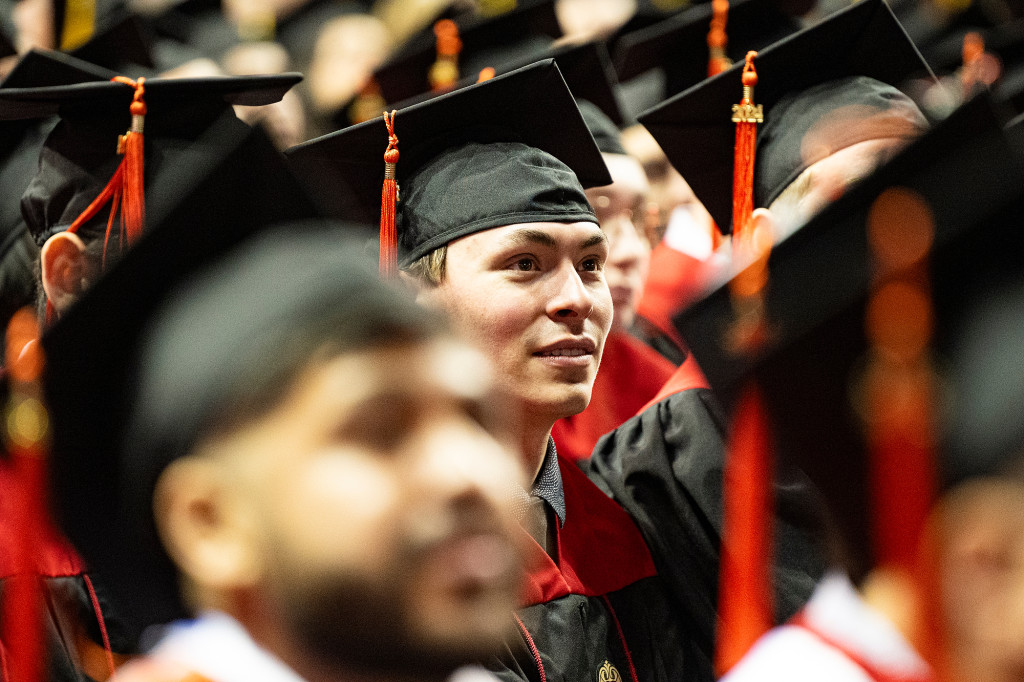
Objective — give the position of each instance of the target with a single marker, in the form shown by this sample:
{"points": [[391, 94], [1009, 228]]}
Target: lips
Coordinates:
{"points": [[577, 352], [575, 347]]}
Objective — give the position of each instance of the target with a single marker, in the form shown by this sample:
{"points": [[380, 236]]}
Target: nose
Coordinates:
{"points": [[626, 246], [570, 297]]}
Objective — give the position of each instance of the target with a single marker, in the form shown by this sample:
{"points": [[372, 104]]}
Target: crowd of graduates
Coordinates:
{"points": [[637, 339]]}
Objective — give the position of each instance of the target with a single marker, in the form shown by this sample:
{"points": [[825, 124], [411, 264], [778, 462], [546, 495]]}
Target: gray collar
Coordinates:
{"points": [[548, 485]]}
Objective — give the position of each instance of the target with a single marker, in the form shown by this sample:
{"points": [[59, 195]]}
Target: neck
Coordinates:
{"points": [[893, 594], [533, 445]]}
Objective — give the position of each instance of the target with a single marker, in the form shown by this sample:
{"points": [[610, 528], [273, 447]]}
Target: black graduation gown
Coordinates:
{"points": [[637, 580]]}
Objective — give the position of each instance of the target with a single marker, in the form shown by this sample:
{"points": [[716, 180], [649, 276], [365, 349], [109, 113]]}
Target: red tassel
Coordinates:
{"points": [[389, 197], [126, 188], [717, 38], [745, 588], [22, 613], [746, 115]]}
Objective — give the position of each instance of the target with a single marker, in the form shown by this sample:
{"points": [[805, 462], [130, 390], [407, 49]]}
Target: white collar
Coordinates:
{"points": [[837, 611], [216, 646]]}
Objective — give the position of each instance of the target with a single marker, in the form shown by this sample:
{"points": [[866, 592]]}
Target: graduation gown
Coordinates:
{"points": [[600, 613], [631, 374], [67, 597], [664, 469]]}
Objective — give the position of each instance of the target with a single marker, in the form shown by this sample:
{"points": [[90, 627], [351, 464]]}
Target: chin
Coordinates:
{"points": [[468, 633], [571, 403]]}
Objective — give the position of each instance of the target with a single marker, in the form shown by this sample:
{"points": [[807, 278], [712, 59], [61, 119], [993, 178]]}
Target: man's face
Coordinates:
{"points": [[828, 179], [534, 298], [375, 497], [982, 568], [622, 210]]}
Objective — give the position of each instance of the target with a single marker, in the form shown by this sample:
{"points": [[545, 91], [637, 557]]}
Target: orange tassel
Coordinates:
{"points": [[389, 197], [746, 115], [126, 188], [445, 71], [717, 38], [745, 588]]}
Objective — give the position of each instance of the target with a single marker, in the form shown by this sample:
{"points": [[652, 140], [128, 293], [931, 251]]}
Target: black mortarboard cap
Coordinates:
{"points": [[121, 43], [20, 144], [45, 68], [606, 134], [80, 154], [863, 44], [232, 185], [819, 281], [586, 69], [678, 46], [525, 32], [510, 150]]}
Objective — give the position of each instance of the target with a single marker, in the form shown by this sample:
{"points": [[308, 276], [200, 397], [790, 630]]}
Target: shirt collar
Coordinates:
{"points": [[216, 646], [548, 484], [838, 611]]}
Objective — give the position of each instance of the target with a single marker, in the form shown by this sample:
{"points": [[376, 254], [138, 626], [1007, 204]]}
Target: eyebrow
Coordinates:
{"points": [[533, 236], [594, 240]]}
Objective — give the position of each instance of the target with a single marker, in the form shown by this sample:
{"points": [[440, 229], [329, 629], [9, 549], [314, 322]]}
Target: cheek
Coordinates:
{"points": [[494, 316], [338, 510]]}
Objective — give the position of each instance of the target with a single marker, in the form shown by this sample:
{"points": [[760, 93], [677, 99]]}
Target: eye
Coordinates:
{"points": [[591, 264], [525, 264]]}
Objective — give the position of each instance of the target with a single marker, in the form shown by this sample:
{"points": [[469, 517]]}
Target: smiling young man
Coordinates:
{"points": [[632, 372], [495, 228]]}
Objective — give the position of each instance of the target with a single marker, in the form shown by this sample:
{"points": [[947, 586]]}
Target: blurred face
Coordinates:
{"points": [[534, 298], [982, 564], [826, 180], [621, 208], [373, 501]]}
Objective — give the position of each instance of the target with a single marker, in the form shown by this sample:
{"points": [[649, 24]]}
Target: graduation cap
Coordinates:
{"points": [[510, 150], [962, 179], [20, 145], [854, 59], [81, 166], [122, 43], [607, 135], [586, 69], [524, 32], [39, 68], [677, 47], [232, 185]]}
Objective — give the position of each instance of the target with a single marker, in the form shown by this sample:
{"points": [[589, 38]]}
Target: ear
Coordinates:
{"points": [[65, 270], [204, 528]]}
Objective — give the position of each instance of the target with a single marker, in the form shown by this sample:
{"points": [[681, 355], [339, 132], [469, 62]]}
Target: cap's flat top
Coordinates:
{"points": [[531, 105], [37, 102], [679, 44], [405, 74]]}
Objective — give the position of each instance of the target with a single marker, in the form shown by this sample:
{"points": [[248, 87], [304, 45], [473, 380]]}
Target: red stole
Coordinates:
{"points": [[600, 549]]}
